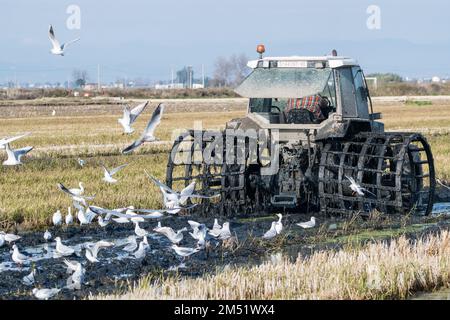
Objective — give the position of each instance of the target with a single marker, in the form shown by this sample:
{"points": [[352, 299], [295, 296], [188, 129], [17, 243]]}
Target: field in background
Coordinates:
{"points": [[28, 194]]}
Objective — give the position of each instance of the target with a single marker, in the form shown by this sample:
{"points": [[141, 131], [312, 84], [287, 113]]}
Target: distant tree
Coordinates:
{"points": [[80, 77], [229, 71]]}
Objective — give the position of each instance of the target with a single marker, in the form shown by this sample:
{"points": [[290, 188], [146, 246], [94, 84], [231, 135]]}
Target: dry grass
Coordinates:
{"points": [[376, 271]]}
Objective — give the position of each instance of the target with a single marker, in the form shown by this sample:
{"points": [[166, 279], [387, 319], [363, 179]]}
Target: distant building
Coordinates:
{"points": [[436, 79]]}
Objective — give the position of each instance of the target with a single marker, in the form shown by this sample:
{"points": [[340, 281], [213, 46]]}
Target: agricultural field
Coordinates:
{"points": [[89, 130]]}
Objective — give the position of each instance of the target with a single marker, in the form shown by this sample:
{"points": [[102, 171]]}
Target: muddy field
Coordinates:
{"points": [[117, 268]]}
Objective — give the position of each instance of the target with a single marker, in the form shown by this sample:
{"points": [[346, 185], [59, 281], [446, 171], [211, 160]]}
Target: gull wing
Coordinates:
{"points": [[159, 183], [22, 151], [154, 122], [51, 35], [135, 112], [65, 45], [65, 190], [126, 114], [115, 170], [5, 141], [133, 146], [352, 181]]}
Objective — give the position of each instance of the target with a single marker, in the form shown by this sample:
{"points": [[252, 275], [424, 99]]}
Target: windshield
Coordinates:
{"points": [[284, 82]]}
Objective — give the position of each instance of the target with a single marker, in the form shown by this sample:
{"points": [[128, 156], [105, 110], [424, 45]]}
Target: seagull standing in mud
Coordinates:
{"points": [[139, 231], [279, 224], [357, 189], [45, 294], [15, 156], [272, 232], [141, 251], [77, 277], [131, 244], [9, 237], [29, 280], [183, 251], [47, 235], [108, 174], [69, 217], [18, 257], [223, 233], [57, 218], [57, 48], [130, 116], [62, 249], [308, 224], [148, 134]]}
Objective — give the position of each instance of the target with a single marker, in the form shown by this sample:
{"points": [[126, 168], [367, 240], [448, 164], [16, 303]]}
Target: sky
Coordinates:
{"points": [[147, 38]]}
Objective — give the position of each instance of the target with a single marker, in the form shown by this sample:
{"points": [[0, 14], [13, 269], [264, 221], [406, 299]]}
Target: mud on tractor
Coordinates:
{"points": [[310, 129]]}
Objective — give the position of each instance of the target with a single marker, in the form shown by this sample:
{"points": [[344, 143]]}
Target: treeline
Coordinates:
{"points": [[130, 93]]}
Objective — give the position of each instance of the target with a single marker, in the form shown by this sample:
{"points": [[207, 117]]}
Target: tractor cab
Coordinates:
{"points": [[306, 91]]}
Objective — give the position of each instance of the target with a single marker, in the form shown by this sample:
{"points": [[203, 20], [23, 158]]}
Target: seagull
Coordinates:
{"points": [[18, 257], [9, 237], [309, 224], [45, 294], [356, 188], [120, 217], [216, 225], [75, 194], [137, 219], [130, 116], [77, 277], [102, 223], [109, 173], [53, 113], [81, 162], [90, 256], [6, 141], [57, 218], [223, 233], [14, 156], [183, 251], [174, 237], [131, 244], [58, 49], [28, 280], [139, 231], [272, 233], [62, 249], [81, 215], [47, 235], [279, 224], [174, 200], [140, 252], [148, 134], [69, 217]]}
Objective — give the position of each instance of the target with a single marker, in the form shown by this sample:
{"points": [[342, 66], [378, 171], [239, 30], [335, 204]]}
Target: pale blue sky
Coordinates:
{"points": [[145, 38]]}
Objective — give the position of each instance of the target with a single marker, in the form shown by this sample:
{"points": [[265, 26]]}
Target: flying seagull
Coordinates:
{"points": [[130, 116], [109, 173], [74, 194], [148, 134], [174, 237], [308, 224], [174, 200], [58, 49], [356, 188], [14, 156]]}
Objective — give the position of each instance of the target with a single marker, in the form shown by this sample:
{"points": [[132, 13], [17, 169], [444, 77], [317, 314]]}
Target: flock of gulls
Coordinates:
{"points": [[137, 244]]}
